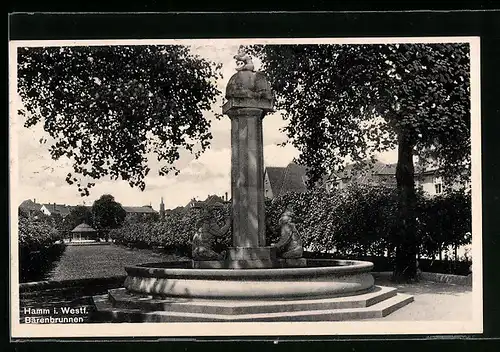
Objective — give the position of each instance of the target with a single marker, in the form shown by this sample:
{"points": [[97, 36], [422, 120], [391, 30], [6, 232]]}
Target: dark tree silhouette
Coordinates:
{"points": [[107, 214], [108, 107], [356, 100], [77, 215]]}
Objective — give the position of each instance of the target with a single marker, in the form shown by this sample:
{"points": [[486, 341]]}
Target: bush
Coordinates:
{"points": [[358, 221], [173, 234], [36, 235], [445, 220], [38, 249]]}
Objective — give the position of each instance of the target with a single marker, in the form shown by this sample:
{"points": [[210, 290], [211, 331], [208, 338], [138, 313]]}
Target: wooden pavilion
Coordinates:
{"points": [[83, 232]]}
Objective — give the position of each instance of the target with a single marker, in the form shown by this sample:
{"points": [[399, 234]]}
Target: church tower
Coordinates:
{"points": [[162, 209]]}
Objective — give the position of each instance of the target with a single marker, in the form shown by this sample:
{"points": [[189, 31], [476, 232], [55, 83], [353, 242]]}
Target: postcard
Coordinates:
{"points": [[245, 187]]}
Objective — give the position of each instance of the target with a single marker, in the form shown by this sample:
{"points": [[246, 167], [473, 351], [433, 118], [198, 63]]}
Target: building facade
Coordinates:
{"points": [[53, 208], [376, 174], [282, 180], [140, 213]]}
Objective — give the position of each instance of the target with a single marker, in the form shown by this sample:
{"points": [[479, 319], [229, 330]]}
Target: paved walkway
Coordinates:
{"points": [[433, 301]]}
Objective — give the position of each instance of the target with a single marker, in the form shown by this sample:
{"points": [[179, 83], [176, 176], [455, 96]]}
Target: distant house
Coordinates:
{"points": [[176, 210], [378, 173], [433, 184], [211, 199], [385, 174], [281, 180], [140, 212], [145, 209], [273, 178], [53, 208], [30, 207], [191, 204]]}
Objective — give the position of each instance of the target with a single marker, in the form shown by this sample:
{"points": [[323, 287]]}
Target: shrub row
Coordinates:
{"points": [[381, 264], [38, 249], [362, 220], [173, 234], [36, 235], [34, 265], [357, 221]]}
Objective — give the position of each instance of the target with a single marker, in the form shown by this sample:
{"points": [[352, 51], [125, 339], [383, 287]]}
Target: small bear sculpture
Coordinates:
{"points": [[207, 232], [290, 244], [243, 60]]}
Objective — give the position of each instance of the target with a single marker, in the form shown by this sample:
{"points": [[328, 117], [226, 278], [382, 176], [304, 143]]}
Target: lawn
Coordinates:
{"points": [[94, 261]]}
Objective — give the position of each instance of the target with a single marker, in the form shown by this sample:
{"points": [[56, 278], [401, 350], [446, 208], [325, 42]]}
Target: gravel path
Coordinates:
{"points": [[433, 301]]}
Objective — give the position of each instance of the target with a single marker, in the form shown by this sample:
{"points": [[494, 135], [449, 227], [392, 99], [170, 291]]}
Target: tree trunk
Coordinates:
{"points": [[406, 251]]}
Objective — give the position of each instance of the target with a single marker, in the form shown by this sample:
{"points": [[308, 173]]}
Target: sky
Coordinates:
{"points": [[43, 179]]}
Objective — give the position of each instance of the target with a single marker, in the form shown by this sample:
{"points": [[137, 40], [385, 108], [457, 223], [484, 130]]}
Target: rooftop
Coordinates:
{"points": [[30, 205], [62, 209], [83, 227], [287, 179], [65, 209], [146, 209]]}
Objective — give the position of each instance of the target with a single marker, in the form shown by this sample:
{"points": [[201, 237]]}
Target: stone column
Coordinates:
{"points": [[247, 176], [249, 99]]}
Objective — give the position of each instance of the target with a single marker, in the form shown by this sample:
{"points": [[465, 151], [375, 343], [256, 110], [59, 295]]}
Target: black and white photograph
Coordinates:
{"points": [[245, 187]]}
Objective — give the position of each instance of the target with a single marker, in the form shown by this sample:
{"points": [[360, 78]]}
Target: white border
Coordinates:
{"points": [[256, 329]]}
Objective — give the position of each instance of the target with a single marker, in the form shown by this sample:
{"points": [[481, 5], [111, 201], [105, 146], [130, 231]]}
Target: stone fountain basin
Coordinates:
{"points": [[319, 278]]}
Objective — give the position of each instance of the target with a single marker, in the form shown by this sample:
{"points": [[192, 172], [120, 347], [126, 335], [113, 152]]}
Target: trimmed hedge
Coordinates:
{"points": [[173, 234], [34, 265], [384, 264], [38, 249], [36, 235], [358, 221]]}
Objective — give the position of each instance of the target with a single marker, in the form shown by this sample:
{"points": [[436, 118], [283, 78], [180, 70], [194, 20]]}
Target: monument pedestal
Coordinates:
{"points": [[249, 264], [233, 264], [250, 258], [119, 305], [251, 253]]}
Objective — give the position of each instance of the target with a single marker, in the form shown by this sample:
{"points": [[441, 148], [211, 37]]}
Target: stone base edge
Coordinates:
{"points": [[233, 264], [249, 264], [251, 253], [105, 312]]}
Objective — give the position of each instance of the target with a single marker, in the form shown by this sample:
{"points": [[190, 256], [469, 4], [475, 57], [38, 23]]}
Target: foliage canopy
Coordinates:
{"points": [[354, 100], [107, 214], [109, 107]]}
